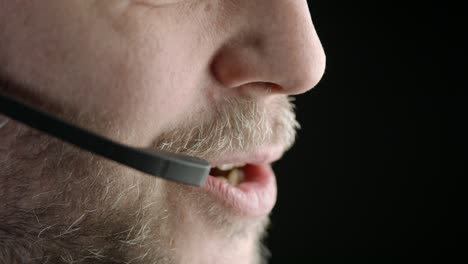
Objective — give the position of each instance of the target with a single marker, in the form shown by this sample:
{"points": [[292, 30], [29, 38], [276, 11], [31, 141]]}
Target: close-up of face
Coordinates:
{"points": [[213, 79]]}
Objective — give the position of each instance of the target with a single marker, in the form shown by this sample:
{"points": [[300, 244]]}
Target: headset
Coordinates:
{"points": [[171, 166]]}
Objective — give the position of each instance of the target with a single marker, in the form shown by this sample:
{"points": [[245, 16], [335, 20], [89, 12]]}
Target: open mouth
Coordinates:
{"points": [[244, 184], [229, 173]]}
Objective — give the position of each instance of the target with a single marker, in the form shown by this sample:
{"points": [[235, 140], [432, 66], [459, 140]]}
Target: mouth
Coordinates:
{"points": [[245, 184], [229, 173]]}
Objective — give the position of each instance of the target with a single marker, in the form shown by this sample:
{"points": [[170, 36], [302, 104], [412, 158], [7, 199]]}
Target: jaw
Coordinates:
{"points": [[230, 241], [108, 209]]}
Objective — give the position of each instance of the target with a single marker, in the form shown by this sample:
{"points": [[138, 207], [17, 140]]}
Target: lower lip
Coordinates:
{"points": [[255, 196]]}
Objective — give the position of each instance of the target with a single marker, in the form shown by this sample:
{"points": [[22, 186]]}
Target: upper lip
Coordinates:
{"points": [[262, 156]]}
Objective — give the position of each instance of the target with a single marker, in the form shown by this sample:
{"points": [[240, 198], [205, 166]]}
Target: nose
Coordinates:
{"points": [[276, 49]]}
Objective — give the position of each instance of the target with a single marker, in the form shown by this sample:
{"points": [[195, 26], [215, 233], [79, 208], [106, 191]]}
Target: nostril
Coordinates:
{"points": [[260, 88], [273, 87]]}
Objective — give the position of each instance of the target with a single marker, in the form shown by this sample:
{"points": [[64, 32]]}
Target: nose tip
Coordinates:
{"points": [[305, 68], [283, 50]]}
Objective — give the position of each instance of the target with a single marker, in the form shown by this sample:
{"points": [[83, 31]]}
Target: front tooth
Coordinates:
{"points": [[226, 167], [235, 177]]}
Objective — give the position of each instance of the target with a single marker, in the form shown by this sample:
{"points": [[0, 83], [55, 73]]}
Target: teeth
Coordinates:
{"points": [[235, 177], [228, 167], [229, 173]]}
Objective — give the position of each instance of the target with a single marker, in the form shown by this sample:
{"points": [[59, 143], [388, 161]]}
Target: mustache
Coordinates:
{"points": [[235, 125], [231, 126]]}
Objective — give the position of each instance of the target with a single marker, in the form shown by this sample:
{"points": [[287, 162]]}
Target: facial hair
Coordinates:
{"points": [[64, 205]]}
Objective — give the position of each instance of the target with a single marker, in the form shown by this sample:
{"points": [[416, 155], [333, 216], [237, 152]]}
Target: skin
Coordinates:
{"points": [[139, 72]]}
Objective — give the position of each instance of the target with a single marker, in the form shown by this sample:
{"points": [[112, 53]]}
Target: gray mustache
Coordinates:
{"points": [[236, 125]]}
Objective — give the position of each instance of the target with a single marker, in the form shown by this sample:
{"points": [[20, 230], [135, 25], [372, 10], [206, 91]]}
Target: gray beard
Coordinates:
{"points": [[63, 205], [66, 206]]}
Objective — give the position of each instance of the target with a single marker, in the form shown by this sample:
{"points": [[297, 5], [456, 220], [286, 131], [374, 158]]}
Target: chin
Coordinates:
{"points": [[205, 231]]}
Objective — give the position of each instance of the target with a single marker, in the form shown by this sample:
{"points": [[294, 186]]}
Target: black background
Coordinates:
{"points": [[378, 165]]}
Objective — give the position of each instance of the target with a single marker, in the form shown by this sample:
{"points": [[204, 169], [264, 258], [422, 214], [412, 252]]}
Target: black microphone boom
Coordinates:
{"points": [[171, 166]]}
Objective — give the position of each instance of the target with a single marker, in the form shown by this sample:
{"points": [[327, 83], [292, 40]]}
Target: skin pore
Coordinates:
{"points": [[202, 77]]}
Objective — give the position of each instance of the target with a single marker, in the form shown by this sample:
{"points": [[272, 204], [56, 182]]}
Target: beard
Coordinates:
{"points": [[64, 205]]}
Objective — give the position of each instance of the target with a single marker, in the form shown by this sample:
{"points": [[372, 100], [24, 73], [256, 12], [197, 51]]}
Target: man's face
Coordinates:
{"points": [[209, 78]]}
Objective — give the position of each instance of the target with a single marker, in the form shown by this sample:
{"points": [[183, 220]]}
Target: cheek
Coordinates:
{"points": [[134, 72], [158, 93], [163, 75], [151, 99]]}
